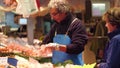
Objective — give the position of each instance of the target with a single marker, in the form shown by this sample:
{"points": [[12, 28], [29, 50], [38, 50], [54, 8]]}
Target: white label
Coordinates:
{"points": [[3, 60]]}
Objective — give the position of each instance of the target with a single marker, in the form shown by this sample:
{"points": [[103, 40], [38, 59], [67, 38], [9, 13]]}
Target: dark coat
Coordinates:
{"points": [[76, 31], [112, 51]]}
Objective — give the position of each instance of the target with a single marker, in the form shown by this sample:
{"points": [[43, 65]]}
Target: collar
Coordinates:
{"points": [[112, 34]]}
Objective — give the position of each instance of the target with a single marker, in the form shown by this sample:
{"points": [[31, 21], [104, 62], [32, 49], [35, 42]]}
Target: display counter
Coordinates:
{"points": [[24, 55]]}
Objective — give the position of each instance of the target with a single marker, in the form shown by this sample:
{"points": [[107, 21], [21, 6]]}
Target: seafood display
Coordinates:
{"points": [[29, 56]]}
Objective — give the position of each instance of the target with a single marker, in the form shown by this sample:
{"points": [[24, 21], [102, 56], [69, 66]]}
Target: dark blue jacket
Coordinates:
{"points": [[112, 51]]}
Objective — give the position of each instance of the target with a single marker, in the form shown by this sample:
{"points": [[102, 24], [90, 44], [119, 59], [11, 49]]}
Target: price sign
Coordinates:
{"points": [[3, 60]]}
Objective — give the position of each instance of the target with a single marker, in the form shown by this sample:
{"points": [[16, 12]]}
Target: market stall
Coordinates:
{"points": [[25, 53], [16, 52]]}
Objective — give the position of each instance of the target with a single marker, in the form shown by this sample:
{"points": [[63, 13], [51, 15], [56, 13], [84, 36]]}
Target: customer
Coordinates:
{"points": [[112, 51], [68, 32]]}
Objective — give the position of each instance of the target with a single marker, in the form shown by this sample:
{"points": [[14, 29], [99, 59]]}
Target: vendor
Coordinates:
{"points": [[68, 33]]}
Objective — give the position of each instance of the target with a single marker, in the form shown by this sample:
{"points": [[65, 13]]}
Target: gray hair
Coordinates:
{"points": [[60, 5]]}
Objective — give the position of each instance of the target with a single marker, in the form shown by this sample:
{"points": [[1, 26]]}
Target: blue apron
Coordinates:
{"points": [[59, 56]]}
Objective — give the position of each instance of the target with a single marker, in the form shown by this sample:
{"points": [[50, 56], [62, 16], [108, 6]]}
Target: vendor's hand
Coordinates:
{"points": [[46, 49]]}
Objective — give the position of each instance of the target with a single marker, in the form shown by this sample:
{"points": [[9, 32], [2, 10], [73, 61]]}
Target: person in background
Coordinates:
{"points": [[67, 33], [112, 50]]}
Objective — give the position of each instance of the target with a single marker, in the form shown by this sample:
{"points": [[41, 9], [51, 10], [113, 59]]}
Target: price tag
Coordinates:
{"points": [[3, 60]]}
